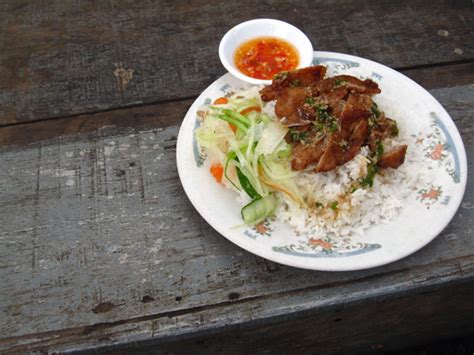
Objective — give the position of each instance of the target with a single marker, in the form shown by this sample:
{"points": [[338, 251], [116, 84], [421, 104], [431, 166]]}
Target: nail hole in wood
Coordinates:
{"points": [[120, 173], [178, 298], [147, 299], [103, 307]]}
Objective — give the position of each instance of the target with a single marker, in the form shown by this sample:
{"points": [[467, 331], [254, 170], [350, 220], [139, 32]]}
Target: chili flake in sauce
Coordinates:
{"points": [[263, 57]]}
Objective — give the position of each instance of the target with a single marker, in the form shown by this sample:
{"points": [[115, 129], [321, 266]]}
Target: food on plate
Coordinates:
{"points": [[331, 119], [263, 57], [313, 150]]}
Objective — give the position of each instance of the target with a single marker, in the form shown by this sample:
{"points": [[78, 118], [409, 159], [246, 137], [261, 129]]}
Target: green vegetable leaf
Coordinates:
{"points": [[246, 185], [230, 156], [233, 121], [237, 116]]}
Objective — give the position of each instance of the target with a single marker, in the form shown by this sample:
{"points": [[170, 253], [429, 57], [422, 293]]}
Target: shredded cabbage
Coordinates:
{"points": [[250, 146]]}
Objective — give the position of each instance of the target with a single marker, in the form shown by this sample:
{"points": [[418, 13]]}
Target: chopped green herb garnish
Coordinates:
{"points": [[372, 121], [339, 82], [322, 108], [281, 75], [323, 114], [394, 129], [333, 206], [374, 116], [375, 110], [309, 101], [369, 179], [297, 136], [344, 144], [295, 82], [333, 126], [318, 126], [380, 149], [324, 120]]}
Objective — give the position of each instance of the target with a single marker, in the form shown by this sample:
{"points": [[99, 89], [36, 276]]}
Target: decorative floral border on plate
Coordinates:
{"points": [[263, 229], [326, 247], [439, 147]]}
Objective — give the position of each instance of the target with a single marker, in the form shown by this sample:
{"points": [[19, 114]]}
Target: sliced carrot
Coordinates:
{"points": [[217, 170], [250, 109], [221, 101], [232, 127]]}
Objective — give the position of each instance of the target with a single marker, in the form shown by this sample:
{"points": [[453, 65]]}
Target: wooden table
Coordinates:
{"points": [[99, 246]]}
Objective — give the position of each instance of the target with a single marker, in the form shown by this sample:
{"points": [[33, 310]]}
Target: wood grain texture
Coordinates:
{"points": [[432, 316], [61, 58], [442, 76], [135, 118], [99, 246], [171, 113]]}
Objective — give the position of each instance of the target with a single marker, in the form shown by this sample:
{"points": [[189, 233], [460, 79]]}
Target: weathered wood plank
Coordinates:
{"points": [[386, 299], [99, 244], [61, 58], [442, 76], [135, 118], [432, 316], [171, 113]]}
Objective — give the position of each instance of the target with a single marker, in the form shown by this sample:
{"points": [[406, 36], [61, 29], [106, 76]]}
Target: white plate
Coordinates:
{"points": [[425, 215]]}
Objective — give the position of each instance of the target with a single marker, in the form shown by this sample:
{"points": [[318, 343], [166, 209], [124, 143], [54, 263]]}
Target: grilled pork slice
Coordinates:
{"points": [[340, 145], [297, 78], [382, 128], [357, 107], [343, 145], [330, 119], [333, 154], [289, 105], [351, 83], [307, 152], [334, 96], [356, 140], [394, 158]]}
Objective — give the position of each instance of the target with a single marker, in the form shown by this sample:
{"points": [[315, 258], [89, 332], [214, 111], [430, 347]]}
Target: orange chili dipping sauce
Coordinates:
{"points": [[263, 57]]}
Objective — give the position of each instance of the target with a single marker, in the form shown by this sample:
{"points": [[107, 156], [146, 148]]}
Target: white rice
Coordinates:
{"points": [[358, 210]]}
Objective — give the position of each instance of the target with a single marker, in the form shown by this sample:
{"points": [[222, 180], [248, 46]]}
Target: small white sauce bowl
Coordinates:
{"points": [[263, 28]]}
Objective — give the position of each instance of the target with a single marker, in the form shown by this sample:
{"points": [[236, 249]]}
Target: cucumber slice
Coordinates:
{"points": [[259, 209], [246, 185]]}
